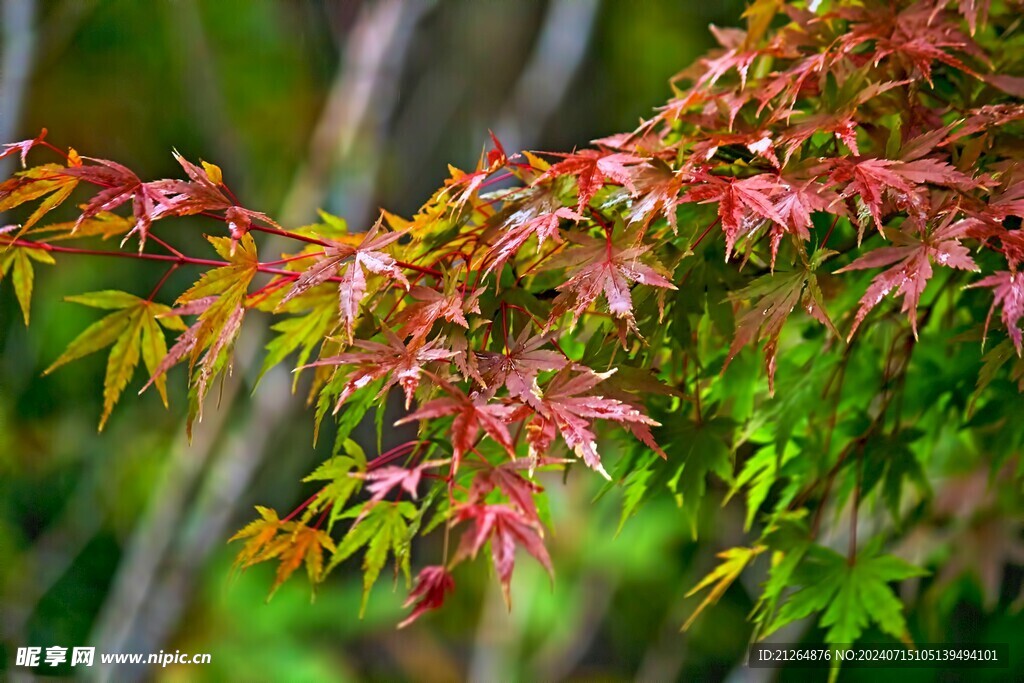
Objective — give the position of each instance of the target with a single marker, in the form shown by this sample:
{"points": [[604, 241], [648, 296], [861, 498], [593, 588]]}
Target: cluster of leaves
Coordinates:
{"points": [[607, 294]]}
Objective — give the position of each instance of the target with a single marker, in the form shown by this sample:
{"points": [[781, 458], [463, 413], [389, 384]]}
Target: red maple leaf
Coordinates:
{"points": [[567, 407], [349, 263], [472, 413], [199, 193], [518, 366], [505, 528], [22, 148], [150, 201], [607, 269], [452, 305], [975, 11], [402, 364], [383, 479], [795, 204], [869, 179], [743, 204], [432, 586], [591, 169], [911, 262], [521, 226], [658, 191], [506, 479], [1008, 294]]}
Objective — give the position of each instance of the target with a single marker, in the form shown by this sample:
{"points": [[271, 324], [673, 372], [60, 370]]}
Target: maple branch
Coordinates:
{"points": [[57, 249], [180, 259]]}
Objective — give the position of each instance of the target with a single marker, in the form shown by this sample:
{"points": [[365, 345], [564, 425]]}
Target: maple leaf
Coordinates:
{"points": [[975, 11], [658, 190], [592, 168], [23, 147], [605, 268], [505, 478], [848, 594], [383, 479], [432, 586], [911, 262], [292, 543], [777, 295], [45, 181], [517, 367], [720, 62], [520, 229], [259, 534], [701, 448], [742, 204], [471, 414], [869, 179], [566, 407], [18, 262], [450, 305], [349, 263], [795, 205], [340, 473], [1008, 294], [219, 300], [734, 561], [133, 333], [919, 38], [202, 192], [382, 529], [404, 363], [149, 200], [505, 528]]}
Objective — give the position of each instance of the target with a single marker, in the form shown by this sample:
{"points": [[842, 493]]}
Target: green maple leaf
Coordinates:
{"points": [[18, 262], [759, 474], [848, 595], [341, 484], [701, 448], [381, 528], [302, 332], [133, 333]]}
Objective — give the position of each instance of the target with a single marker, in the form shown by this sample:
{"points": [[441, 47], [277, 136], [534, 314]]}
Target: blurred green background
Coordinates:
{"points": [[117, 540]]}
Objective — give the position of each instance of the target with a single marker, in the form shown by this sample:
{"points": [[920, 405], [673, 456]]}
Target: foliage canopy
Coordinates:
{"points": [[839, 184]]}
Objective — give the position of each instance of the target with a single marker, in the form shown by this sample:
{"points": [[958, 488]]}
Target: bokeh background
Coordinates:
{"points": [[118, 540]]}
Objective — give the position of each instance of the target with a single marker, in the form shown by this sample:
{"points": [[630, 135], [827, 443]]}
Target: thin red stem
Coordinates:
{"points": [[166, 246], [56, 149], [183, 260], [298, 257], [829, 233], [705, 233], [174, 267], [287, 233], [302, 507]]}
